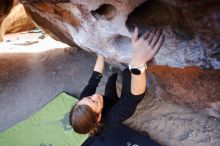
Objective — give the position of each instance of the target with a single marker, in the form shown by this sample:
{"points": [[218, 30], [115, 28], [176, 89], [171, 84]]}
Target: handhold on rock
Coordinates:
{"points": [[191, 28]]}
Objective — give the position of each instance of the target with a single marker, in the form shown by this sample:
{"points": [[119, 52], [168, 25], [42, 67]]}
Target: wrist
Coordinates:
{"points": [[99, 69], [101, 58], [100, 64], [137, 64], [137, 70]]}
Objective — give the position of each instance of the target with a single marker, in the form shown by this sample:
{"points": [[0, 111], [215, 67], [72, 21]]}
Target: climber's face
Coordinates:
{"points": [[95, 102]]}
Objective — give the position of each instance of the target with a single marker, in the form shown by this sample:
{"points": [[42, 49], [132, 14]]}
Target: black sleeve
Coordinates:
{"points": [[90, 88], [123, 109]]}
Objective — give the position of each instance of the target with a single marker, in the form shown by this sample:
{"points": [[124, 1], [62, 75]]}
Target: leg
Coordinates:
{"points": [[110, 88]]}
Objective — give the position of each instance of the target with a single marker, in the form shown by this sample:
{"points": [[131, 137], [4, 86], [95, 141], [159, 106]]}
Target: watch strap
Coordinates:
{"points": [[140, 68]]}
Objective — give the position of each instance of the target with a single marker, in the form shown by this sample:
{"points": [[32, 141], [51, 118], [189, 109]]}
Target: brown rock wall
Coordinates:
{"points": [[16, 21], [193, 87], [52, 27], [191, 28], [173, 125], [182, 107]]}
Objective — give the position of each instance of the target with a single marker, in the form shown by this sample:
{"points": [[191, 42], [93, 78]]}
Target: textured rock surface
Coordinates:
{"points": [[182, 107], [173, 125], [192, 39], [192, 87], [28, 81], [191, 27], [5, 8], [16, 21]]}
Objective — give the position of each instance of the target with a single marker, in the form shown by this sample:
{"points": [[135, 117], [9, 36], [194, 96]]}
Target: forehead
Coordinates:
{"points": [[84, 101], [87, 101]]}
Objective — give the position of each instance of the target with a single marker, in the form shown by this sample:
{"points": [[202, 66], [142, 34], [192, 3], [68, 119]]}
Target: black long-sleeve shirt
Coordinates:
{"points": [[114, 111]]}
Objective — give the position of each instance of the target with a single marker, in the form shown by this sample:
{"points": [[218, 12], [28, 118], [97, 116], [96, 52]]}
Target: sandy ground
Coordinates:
{"points": [[33, 41], [29, 80]]}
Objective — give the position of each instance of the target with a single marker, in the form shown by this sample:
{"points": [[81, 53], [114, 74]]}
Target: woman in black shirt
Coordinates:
{"points": [[94, 113]]}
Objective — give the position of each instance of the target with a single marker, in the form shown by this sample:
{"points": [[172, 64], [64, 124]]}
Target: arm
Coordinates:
{"points": [[95, 78], [143, 49], [100, 64]]}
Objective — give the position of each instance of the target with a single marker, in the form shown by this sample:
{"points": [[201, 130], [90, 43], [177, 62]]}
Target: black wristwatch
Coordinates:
{"points": [[137, 70]]}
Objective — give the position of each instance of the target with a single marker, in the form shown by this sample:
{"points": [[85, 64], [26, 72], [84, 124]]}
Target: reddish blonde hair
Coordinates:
{"points": [[84, 120]]}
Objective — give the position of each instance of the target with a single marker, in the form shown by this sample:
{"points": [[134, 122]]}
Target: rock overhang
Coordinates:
{"points": [[191, 28], [192, 39]]}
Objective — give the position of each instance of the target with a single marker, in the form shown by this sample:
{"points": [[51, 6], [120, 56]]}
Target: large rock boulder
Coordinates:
{"points": [[14, 19], [192, 87], [192, 39], [5, 8], [185, 71], [191, 28]]}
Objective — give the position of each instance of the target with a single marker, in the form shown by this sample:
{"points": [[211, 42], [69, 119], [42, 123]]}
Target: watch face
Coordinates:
{"points": [[135, 71]]}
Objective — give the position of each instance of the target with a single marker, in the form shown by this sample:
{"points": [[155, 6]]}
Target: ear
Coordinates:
{"points": [[99, 117]]}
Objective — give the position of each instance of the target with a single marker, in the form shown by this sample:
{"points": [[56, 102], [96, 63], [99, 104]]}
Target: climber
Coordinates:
{"points": [[95, 114]]}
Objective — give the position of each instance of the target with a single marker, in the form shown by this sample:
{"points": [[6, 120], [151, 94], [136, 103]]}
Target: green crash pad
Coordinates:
{"points": [[48, 127]]}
